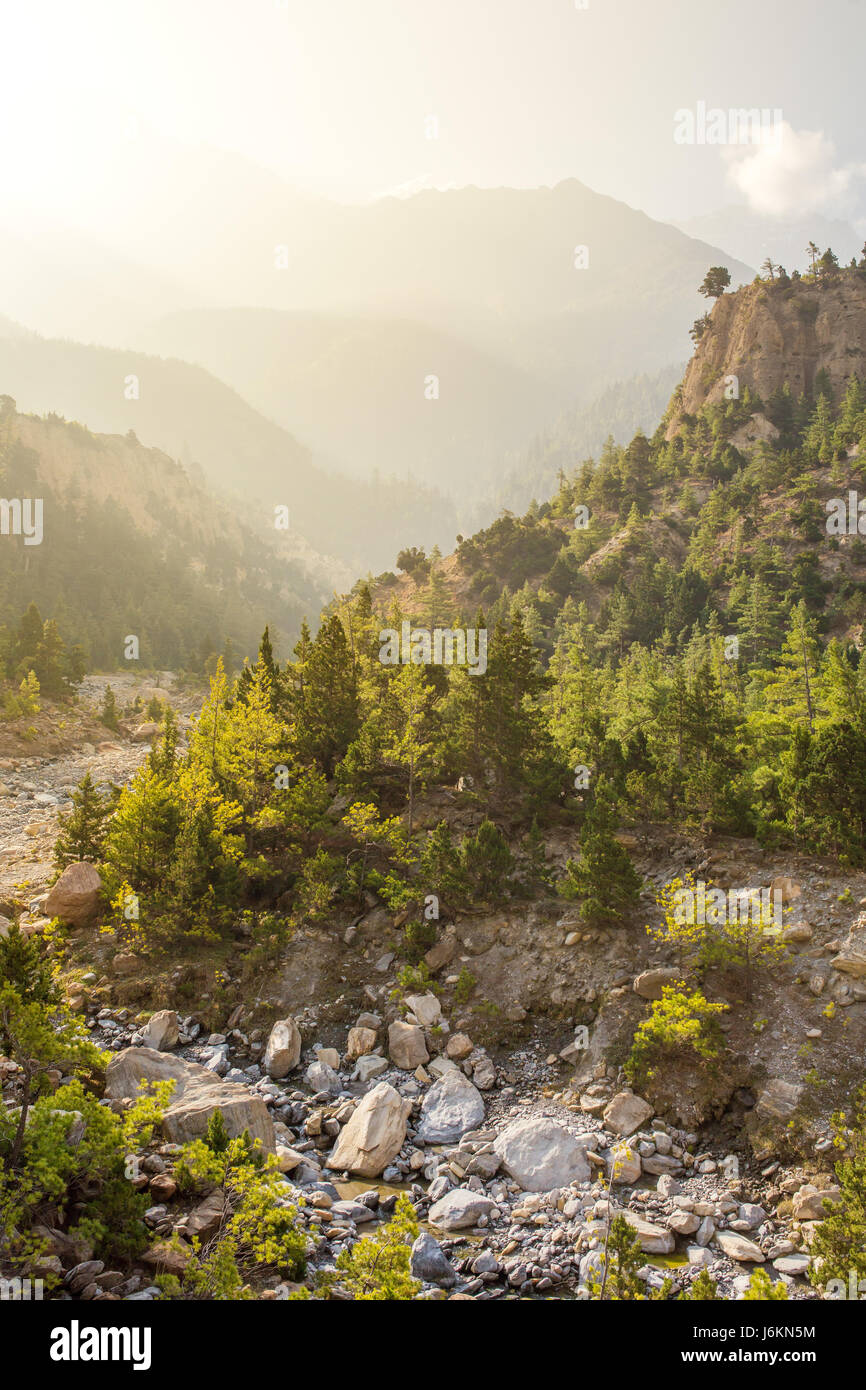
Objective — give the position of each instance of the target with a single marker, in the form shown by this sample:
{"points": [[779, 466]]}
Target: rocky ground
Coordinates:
{"points": [[484, 1100], [37, 776], [510, 1174]]}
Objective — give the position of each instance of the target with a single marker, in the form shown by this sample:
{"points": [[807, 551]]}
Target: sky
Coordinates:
{"points": [[336, 96]]}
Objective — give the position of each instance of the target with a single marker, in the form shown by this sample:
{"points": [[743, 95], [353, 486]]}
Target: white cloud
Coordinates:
{"points": [[797, 171]]}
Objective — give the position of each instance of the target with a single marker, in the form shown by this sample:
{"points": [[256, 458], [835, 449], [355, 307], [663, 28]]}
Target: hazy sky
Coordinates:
{"points": [[334, 94]]}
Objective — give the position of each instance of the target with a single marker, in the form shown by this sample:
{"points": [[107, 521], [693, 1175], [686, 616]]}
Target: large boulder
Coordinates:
{"points": [[283, 1051], [75, 896], [459, 1208], [197, 1094], [450, 1108], [162, 1031], [406, 1046], [374, 1135], [541, 1154], [626, 1113]]}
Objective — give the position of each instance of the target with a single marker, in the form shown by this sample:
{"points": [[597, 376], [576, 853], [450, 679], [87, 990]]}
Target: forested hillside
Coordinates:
{"points": [[565, 829], [132, 545]]}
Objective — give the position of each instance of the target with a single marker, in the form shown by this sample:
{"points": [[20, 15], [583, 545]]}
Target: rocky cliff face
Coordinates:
{"points": [[767, 336]]}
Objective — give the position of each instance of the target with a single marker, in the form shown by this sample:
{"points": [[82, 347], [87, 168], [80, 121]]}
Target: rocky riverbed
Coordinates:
{"points": [[510, 1176]]}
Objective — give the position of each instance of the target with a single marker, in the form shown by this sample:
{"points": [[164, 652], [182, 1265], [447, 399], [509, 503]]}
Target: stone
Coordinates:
{"points": [[699, 1255], [851, 959], [360, 1042], [738, 1247], [320, 1077], [75, 896], [425, 1008], [368, 1067], [786, 889], [459, 1208], [429, 1263], [207, 1215], [650, 984], [163, 1187], [752, 1215], [684, 1223], [353, 1210], [440, 1066], [626, 1163], [484, 1073], [288, 1159], [792, 1264], [145, 732], [626, 1113], [166, 1258], [406, 1046], [374, 1135], [458, 1047], [442, 953], [162, 1031], [779, 1099], [541, 1154], [798, 933], [450, 1108], [808, 1202], [196, 1096], [705, 1231], [654, 1240], [661, 1163], [283, 1050], [124, 963], [668, 1186], [329, 1057]]}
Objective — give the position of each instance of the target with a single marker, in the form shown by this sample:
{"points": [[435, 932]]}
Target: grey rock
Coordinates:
{"points": [[450, 1108], [429, 1263]]}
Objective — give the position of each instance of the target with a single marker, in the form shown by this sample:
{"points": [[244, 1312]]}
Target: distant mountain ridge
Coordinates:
{"points": [[188, 413]]}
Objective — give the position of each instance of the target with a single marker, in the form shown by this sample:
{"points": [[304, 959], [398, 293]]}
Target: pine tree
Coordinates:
{"points": [[108, 714], [604, 878], [794, 689], [83, 829], [140, 842], [487, 861], [327, 712], [406, 744], [253, 740]]}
